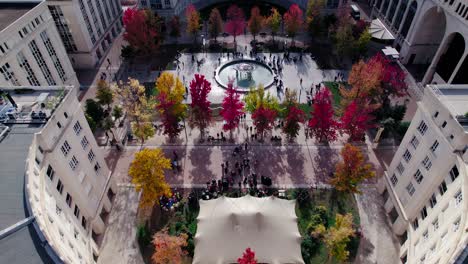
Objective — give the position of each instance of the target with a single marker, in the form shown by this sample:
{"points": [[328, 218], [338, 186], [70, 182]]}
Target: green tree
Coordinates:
{"points": [[362, 42], [313, 16], [117, 112], [147, 173], [94, 111], [104, 94]]}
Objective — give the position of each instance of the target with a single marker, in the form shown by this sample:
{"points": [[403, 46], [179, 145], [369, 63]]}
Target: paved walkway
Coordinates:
{"points": [[120, 244], [378, 244]]}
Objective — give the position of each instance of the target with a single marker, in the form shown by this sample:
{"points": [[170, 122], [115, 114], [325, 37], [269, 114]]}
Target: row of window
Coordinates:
{"points": [[442, 190], [10, 76], [31, 26], [63, 28], [68, 199]]}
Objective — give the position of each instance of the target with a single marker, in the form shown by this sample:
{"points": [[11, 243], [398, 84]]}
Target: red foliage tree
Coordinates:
{"points": [[235, 24], [248, 257], [263, 119], [293, 20], [141, 30], [294, 117], [322, 125], [200, 106], [356, 119], [392, 77], [170, 121], [232, 108]]}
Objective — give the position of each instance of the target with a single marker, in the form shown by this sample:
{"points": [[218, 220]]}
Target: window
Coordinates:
{"points": [[407, 156], [410, 189], [434, 146], [58, 210], [454, 173], [422, 128], [458, 198], [53, 55], [41, 62], [423, 213], [65, 114], [24, 64], [62, 27], [77, 128], [400, 168], [442, 188], [436, 114], [435, 224], [91, 156], [414, 142], [75, 233], [456, 224], [86, 19], [394, 180], [418, 176], [83, 222], [425, 235], [393, 215], [50, 173], [433, 200], [415, 224], [9, 75], [427, 163], [444, 124], [73, 163], [65, 148], [76, 212], [60, 186], [97, 167], [68, 200], [59, 125], [84, 142]]}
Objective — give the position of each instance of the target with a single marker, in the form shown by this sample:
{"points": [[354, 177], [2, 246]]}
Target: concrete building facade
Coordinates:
{"points": [[31, 51], [430, 33], [68, 185], [87, 28], [425, 187]]}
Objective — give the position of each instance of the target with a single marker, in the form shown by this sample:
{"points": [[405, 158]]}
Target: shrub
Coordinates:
{"points": [[143, 236]]}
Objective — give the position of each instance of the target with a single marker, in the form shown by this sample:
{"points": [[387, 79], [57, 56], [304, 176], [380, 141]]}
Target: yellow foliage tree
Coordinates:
{"points": [[351, 170], [193, 21], [147, 173], [138, 107], [169, 102], [169, 249], [337, 237], [257, 98]]}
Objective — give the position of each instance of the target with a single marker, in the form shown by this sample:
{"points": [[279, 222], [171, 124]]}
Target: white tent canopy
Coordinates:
{"points": [[227, 226], [379, 31]]}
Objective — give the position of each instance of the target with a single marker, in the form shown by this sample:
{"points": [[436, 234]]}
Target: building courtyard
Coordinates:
{"points": [[173, 132]]}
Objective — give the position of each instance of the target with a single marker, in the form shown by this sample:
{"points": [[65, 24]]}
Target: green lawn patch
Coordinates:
{"points": [[335, 90]]}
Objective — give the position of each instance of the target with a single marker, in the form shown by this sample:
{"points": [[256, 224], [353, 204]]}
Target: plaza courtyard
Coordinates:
{"points": [[243, 160]]}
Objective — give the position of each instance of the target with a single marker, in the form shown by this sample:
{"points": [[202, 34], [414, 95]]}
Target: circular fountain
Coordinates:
{"points": [[244, 74]]}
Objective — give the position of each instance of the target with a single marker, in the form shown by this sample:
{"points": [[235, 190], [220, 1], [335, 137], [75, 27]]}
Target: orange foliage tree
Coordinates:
{"points": [[351, 170], [169, 249]]}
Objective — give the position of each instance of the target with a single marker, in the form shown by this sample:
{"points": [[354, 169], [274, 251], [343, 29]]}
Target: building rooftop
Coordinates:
{"points": [[28, 105], [22, 246], [454, 97], [10, 11]]}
